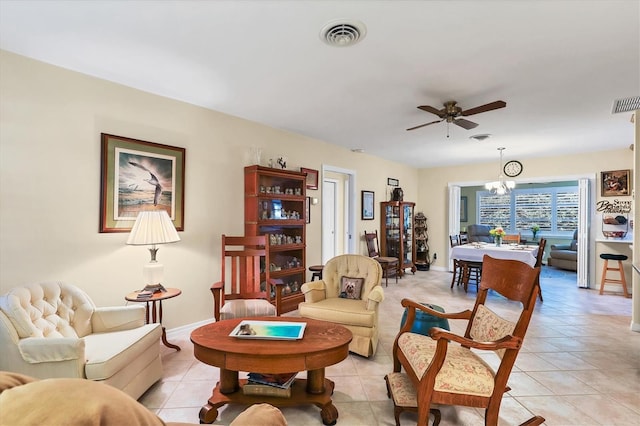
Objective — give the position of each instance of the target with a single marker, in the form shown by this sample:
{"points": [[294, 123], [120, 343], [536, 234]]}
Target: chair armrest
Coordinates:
{"points": [[507, 342], [413, 306], [376, 296], [560, 246], [218, 298], [117, 318], [35, 350], [314, 291]]}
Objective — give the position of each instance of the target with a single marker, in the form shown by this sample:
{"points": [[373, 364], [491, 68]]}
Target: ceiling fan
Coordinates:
{"points": [[451, 112]]}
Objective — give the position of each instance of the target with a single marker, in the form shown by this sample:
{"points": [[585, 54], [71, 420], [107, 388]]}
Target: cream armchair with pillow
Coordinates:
{"points": [[349, 294], [53, 329]]}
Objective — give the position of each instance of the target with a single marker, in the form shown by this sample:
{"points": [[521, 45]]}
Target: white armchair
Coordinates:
{"points": [[336, 298], [53, 329]]}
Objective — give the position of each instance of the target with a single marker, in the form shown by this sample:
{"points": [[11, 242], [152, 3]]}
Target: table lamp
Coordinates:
{"points": [[151, 228]]}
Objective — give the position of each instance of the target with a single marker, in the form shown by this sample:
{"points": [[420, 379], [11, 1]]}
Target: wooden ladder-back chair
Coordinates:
{"points": [[443, 369], [541, 245], [464, 270], [511, 238], [388, 264], [245, 284], [454, 240]]}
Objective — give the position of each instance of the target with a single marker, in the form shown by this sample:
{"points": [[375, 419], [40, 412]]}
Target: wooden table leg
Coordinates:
{"points": [[229, 382], [164, 331], [315, 381]]}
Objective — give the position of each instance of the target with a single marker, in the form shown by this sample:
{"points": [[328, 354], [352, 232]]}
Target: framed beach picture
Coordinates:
{"points": [[615, 183], [368, 205], [139, 175]]}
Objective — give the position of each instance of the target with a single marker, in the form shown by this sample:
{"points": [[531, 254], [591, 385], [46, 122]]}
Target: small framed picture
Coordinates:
{"points": [[312, 177], [393, 182], [463, 209], [368, 205], [615, 183]]}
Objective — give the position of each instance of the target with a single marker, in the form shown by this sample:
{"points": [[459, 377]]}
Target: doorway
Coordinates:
{"points": [[338, 207], [586, 191]]}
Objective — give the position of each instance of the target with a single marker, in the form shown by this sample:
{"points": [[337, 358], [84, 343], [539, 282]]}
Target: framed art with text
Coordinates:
{"points": [[139, 175]]}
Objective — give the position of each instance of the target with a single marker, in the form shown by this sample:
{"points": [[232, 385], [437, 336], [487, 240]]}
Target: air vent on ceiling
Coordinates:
{"points": [[626, 104], [343, 33]]}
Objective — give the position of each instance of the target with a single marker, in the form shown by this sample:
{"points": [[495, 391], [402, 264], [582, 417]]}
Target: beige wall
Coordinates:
{"points": [[50, 125]]}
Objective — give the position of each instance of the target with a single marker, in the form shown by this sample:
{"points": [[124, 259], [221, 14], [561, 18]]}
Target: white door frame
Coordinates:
{"points": [[349, 206]]}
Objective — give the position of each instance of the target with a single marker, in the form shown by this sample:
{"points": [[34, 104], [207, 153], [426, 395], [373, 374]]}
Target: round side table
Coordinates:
{"points": [[156, 311]]}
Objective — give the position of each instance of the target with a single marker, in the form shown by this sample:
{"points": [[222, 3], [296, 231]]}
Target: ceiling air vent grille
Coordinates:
{"points": [[626, 104], [343, 33]]}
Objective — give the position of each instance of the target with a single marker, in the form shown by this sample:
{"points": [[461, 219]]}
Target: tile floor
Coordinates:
{"points": [[580, 363]]}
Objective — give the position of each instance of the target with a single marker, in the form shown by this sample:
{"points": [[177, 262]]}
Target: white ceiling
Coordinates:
{"points": [[558, 64]]}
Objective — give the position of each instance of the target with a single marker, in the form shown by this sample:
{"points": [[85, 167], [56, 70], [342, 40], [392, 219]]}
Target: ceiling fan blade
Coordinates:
{"points": [[433, 110], [426, 124], [465, 124], [484, 108]]}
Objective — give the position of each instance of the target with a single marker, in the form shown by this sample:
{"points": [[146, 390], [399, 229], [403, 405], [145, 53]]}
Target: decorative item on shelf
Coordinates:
{"points": [[312, 177], [397, 194], [153, 227], [500, 186], [498, 232], [615, 225], [282, 162], [534, 230]]}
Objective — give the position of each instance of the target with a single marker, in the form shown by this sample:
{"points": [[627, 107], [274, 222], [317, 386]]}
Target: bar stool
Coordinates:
{"points": [[619, 258], [316, 271]]}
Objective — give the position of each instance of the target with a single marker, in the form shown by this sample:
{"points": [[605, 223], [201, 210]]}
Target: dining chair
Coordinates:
{"points": [[389, 264], [511, 238], [447, 368], [539, 256], [464, 270]]}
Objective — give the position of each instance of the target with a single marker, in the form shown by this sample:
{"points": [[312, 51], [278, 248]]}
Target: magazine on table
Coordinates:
{"points": [[277, 330]]}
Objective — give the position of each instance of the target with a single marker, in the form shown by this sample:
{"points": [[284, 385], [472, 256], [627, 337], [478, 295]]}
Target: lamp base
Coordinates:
{"points": [[155, 288]]}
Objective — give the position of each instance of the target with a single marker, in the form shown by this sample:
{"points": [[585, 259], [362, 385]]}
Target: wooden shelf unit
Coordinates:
{"points": [[274, 204]]}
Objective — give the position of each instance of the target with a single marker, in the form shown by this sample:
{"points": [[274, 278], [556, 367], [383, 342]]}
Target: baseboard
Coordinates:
{"points": [[635, 327], [178, 331]]}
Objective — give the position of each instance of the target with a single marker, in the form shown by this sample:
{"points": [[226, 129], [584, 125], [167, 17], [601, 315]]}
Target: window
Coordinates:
{"points": [[553, 209]]}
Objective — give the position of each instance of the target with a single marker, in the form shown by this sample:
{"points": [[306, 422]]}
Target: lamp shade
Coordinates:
{"points": [[153, 227]]}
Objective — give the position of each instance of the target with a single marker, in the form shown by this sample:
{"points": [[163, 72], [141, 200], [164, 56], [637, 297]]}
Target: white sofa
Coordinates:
{"points": [[53, 329]]}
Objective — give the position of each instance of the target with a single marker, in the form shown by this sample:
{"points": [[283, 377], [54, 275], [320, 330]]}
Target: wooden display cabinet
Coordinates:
{"points": [[396, 228], [422, 259], [274, 204]]}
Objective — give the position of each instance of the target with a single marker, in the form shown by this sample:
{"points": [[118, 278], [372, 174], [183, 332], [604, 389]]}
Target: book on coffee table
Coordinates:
{"points": [[278, 330], [282, 381], [265, 390]]}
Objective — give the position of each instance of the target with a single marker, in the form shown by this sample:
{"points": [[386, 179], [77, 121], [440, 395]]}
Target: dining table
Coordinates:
{"points": [[474, 252]]}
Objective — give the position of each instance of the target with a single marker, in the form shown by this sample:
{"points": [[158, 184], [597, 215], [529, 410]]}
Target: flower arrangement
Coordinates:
{"points": [[535, 229], [498, 231]]}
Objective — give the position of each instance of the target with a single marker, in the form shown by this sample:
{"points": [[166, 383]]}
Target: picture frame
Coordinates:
{"points": [[463, 209], [312, 177], [138, 175], [307, 209], [615, 183], [368, 205], [393, 182]]}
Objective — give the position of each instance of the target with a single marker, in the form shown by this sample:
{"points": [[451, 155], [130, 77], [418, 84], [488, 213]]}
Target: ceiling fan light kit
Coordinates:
{"points": [[500, 186], [452, 111]]}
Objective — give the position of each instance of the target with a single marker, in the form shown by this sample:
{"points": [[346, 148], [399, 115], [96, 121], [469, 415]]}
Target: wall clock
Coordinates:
{"points": [[512, 168]]}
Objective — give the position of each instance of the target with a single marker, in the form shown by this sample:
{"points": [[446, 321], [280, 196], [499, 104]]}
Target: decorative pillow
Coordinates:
{"points": [[351, 288]]}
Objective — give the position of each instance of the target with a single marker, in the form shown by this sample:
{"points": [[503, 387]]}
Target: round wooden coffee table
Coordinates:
{"points": [[323, 344]]}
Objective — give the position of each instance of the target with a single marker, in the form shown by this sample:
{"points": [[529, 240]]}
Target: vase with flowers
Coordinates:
{"points": [[498, 232], [534, 230]]}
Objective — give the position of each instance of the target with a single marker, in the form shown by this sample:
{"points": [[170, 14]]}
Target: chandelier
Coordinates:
{"points": [[500, 186]]}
